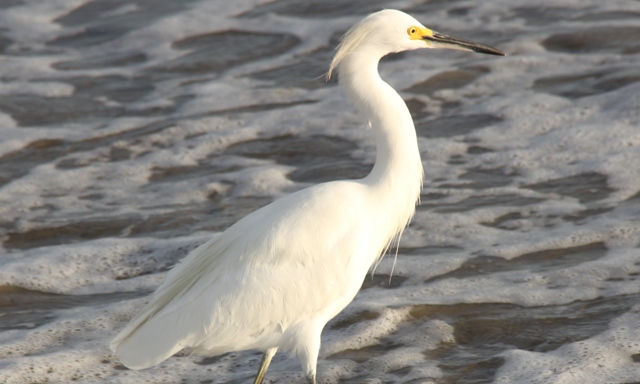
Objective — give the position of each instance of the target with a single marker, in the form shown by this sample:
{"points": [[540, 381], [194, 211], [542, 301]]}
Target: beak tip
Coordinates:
{"points": [[488, 50]]}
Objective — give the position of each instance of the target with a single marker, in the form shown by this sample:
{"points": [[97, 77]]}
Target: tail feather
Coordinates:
{"points": [[149, 341], [167, 323]]}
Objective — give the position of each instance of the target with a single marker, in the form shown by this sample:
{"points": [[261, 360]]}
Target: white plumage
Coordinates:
{"points": [[275, 278]]}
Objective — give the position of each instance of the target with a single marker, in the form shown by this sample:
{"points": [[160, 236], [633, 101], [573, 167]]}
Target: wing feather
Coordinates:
{"points": [[244, 287]]}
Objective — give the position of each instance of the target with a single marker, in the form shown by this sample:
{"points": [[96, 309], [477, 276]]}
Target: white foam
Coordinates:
{"points": [[604, 358], [541, 137]]}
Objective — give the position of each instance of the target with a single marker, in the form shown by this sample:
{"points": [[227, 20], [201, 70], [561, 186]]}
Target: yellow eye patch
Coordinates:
{"points": [[418, 33]]}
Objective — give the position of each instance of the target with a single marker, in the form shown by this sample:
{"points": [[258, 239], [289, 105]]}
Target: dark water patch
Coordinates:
{"points": [[476, 202], [11, 3], [459, 11], [449, 126], [363, 354], [484, 331], [214, 215], [538, 329], [416, 108], [22, 308], [72, 163], [359, 317], [328, 171], [87, 103], [81, 230], [188, 172], [428, 200], [383, 281], [292, 150], [91, 196], [308, 71], [545, 15], [541, 261], [576, 86], [516, 220], [116, 154], [507, 221], [104, 61], [401, 371], [119, 154], [611, 15], [176, 223], [393, 56], [230, 210], [602, 39], [478, 150], [89, 37], [114, 87], [587, 187], [18, 163], [33, 110], [315, 9], [482, 178], [317, 158], [256, 108], [583, 215], [225, 356], [453, 79], [218, 51], [571, 86], [432, 195], [632, 201], [15, 164], [5, 42], [103, 23], [428, 250], [455, 160], [427, 6], [464, 368], [212, 164], [450, 107]]}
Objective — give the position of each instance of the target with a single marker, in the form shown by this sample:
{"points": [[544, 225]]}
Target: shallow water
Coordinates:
{"points": [[131, 132]]}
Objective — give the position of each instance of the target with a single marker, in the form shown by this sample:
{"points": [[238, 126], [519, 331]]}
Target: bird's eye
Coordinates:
{"points": [[412, 31]]}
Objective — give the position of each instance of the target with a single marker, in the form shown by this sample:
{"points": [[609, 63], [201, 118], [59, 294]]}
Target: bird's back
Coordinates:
{"points": [[251, 287]]}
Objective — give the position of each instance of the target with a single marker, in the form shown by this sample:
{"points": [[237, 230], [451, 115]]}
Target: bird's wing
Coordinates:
{"points": [[270, 269]]}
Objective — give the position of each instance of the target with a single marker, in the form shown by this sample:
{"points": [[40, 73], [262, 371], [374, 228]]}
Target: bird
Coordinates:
{"points": [[273, 280]]}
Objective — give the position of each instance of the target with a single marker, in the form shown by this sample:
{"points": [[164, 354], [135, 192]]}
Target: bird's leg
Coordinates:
{"points": [[311, 379], [264, 365], [308, 351]]}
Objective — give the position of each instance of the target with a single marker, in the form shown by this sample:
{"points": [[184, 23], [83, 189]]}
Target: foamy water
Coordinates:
{"points": [[131, 132]]}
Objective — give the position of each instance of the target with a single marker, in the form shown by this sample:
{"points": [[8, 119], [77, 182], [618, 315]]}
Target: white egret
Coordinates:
{"points": [[275, 278]]}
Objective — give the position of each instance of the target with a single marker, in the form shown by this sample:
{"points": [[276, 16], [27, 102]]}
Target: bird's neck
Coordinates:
{"points": [[398, 168]]}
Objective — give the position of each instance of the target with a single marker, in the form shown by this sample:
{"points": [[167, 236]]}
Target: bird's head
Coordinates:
{"points": [[390, 31]]}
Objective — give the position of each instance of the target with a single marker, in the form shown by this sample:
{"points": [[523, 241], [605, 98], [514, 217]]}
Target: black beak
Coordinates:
{"points": [[443, 41]]}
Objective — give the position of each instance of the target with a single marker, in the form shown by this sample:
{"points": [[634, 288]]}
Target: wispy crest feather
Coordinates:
{"points": [[350, 41]]}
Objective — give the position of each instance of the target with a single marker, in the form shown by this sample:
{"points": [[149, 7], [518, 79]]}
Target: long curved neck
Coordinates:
{"points": [[398, 168]]}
